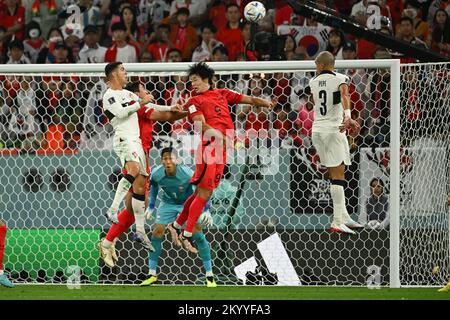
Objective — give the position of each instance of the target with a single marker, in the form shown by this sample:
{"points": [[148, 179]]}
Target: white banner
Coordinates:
{"points": [[314, 39]]}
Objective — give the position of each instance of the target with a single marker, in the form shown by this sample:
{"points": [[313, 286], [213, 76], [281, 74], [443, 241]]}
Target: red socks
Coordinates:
{"points": [[2, 244], [126, 219], [183, 216], [195, 211]]}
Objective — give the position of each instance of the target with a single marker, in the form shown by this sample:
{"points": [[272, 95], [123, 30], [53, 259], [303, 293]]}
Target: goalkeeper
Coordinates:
{"points": [[175, 181]]}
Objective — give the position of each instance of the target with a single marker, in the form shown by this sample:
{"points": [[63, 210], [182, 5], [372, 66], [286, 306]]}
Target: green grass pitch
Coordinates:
{"points": [[102, 292]]}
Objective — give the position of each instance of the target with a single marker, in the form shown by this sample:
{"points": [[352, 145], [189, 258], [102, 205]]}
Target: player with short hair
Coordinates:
{"points": [[331, 119], [175, 181], [144, 127], [209, 112], [4, 281]]}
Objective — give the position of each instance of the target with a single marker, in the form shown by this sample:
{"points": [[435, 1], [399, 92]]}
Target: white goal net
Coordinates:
{"points": [[58, 174]]}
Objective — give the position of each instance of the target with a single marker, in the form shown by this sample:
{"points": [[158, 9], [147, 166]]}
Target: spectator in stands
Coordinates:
{"points": [[290, 45], [377, 206], [146, 57], [34, 42], [436, 5], [197, 10], [4, 39], [121, 50], [421, 27], [440, 35], [92, 52], [151, 13], [183, 35], [160, 43], [62, 53], [217, 12], [16, 53], [219, 54], [174, 55], [231, 34], [73, 44], [116, 8], [406, 33], [305, 120], [46, 54], [12, 18], [336, 40], [359, 7], [204, 51], [129, 19], [287, 133]]}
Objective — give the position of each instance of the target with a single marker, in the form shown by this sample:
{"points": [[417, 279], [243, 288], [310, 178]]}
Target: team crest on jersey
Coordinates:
{"points": [[192, 109], [135, 154], [111, 100]]}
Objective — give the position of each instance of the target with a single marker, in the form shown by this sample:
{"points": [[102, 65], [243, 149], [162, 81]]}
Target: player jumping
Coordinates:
{"points": [[4, 281], [331, 120], [146, 115], [209, 111], [175, 181]]}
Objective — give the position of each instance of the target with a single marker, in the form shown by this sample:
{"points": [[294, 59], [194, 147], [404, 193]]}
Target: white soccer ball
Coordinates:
{"points": [[254, 11]]}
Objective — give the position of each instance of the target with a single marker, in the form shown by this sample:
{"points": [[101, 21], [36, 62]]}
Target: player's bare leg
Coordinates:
{"points": [[341, 219], [133, 169]]}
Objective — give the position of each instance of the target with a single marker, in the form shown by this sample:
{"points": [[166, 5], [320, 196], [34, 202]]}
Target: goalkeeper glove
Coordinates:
{"points": [[206, 219]]}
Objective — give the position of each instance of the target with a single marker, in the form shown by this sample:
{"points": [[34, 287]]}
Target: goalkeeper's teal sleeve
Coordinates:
{"points": [[152, 195]]}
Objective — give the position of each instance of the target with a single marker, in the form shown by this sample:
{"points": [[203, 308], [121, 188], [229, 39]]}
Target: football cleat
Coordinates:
{"points": [[210, 282], [114, 253], [446, 288], [174, 234], [188, 243], [4, 281], [149, 281], [342, 228], [105, 254], [353, 224], [144, 241], [112, 216]]}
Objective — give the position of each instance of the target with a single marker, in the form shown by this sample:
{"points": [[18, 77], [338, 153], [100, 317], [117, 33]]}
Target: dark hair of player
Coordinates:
{"points": [[110, 68], [202, 70], [167, 150], [133, 86]]}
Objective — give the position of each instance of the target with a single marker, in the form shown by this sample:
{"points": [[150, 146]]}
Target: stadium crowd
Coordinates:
{"points": [[51, 113]]}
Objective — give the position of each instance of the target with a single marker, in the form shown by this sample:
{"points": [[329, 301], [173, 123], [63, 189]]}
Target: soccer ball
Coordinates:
{"points": [[254, 11]]}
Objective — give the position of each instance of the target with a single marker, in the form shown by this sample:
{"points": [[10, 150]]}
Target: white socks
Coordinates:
{"points": [[122, 189], [138, 204], [339, 210]]}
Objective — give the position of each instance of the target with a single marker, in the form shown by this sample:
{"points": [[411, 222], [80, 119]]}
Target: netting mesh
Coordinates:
{"points": [[58, 174]]}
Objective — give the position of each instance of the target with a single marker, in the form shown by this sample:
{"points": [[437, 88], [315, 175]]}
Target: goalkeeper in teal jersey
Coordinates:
{"points": [[174, 181]]}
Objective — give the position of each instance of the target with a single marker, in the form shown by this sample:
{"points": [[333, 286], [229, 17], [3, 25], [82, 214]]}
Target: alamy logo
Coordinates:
{"points": [[276, 259]]}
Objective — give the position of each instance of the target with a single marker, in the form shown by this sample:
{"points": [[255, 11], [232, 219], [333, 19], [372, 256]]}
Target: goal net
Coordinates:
{"points": [[272, 212]]}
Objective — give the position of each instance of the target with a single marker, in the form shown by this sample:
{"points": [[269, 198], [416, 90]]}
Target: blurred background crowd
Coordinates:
{"points": [[64, 114]]}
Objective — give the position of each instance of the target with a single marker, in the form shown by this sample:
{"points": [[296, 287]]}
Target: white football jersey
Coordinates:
{"points": [[328, 110], [113, 102]]}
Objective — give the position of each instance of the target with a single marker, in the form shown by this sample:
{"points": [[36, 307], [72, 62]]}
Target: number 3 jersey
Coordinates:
{"points": [[328, 110]]}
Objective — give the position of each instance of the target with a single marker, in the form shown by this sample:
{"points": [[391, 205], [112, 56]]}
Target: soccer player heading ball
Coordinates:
{"points": [[331, 119], [209, 112]]}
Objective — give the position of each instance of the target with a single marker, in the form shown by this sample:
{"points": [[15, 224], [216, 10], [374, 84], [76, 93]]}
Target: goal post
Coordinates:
{"points": [[278, 223]]}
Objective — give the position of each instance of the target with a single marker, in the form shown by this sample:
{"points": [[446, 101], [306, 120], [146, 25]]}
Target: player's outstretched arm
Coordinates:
{"points": [[114, 108], [258, 102]]}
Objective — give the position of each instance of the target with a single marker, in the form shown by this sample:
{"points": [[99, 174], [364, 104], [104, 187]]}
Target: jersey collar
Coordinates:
{"points": [[327, 71]]}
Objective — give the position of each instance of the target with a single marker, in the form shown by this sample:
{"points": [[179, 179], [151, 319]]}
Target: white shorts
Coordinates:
{"points": [[332, 148], [131, 150]]}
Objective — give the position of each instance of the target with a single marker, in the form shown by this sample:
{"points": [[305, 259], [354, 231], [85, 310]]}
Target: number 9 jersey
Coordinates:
{"points": [[328, 110]]}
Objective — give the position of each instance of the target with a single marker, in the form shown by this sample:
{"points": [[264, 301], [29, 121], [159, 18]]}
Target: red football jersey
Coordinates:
{"points": [[146, 127], [213, 105]]}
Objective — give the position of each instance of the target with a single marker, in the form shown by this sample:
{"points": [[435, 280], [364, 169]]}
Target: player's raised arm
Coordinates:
{"points": [[113, 107]]}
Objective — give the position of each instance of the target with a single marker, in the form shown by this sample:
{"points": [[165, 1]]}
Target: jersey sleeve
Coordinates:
{"points": [[145, 112], [232, 97], [343, 79], [193, 107], [113, 108]]}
